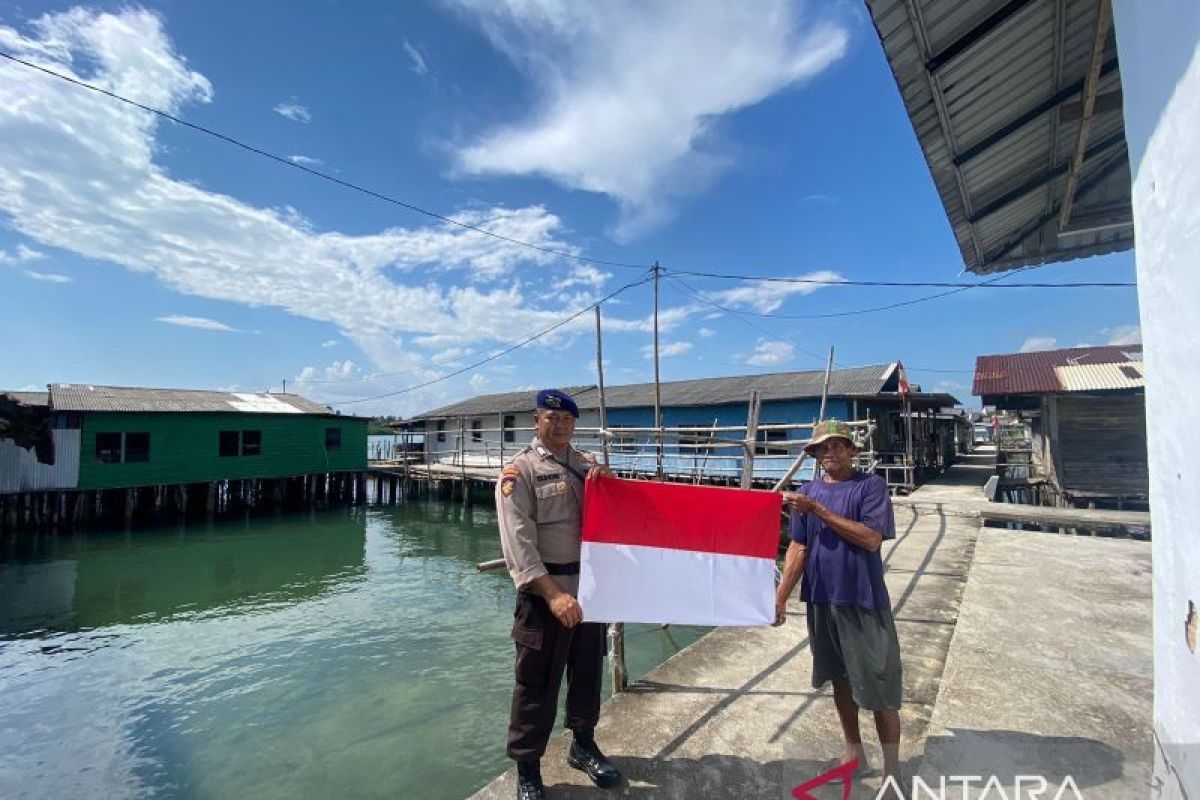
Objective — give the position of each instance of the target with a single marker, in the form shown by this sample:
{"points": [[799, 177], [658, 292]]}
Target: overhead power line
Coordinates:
{"points": [[503, 352], [889, 306], [700, 298], [908, 284], [287, 162]]}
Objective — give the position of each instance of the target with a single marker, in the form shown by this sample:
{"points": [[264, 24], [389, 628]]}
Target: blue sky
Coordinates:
{"points": [[759, 139]]}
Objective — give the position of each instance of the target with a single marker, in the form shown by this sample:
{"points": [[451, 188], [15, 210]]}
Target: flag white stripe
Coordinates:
{"points": [[631, 583]]}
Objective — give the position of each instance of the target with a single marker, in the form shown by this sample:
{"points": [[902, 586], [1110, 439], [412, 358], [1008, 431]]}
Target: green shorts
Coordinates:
{"points": [[857, 646]]}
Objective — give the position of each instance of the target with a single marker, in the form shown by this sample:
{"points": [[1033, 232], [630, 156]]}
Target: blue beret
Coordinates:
{"points": [[555, 400]]}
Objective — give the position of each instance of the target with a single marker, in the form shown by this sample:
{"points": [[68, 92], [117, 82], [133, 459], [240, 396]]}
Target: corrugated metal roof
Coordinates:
{"points": [[992, 88], [866, 380], [505, 402], [1101, 377], [28, 398], [1040, 373], [86, 397]]}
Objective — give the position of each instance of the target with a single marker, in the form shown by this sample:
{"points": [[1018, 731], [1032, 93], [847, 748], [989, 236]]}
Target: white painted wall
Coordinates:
{"points": [[1159, 46], [490, 437], [21, 472]]}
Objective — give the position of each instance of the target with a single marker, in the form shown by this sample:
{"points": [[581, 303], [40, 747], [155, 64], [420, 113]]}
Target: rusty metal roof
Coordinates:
{"points": [[88, 397], [861, 381], [1077, 369], [994, 90]]}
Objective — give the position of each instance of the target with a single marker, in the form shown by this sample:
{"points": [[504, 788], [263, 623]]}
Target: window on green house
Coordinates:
{"points": [[510, 421], [441, 430], [251, 443], [476, 430], [108, 448], [333, 439], [137, 447], [228, 444]]}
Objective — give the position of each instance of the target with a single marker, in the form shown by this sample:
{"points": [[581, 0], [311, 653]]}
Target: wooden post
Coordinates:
{"points": [[500, 416], [462, 456], [616, 630], [751, 440], [600, 382], [658, 469]]}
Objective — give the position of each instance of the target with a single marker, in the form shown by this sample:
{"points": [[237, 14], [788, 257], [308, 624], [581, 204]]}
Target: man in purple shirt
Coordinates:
{"points": [[838, 524]]}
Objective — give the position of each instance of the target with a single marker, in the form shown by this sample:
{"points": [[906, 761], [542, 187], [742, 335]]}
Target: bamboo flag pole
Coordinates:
{"points": [[799, 462], [616, 630]]}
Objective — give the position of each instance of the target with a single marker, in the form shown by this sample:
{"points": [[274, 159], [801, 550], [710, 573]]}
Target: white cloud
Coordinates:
{"points": [[48, 277], [200, 323], [628, 93], [306, 161], [767, 296], [1124, 334], [478, 382], [329, 343], [667, 349], [1036, 344], [451, 355], [294, 111], [24, 255], [706, 333], [769, 352], [77, 172], [418, 61]]}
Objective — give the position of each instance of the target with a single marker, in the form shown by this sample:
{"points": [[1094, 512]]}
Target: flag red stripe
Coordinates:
{"points": [[682, 517]]}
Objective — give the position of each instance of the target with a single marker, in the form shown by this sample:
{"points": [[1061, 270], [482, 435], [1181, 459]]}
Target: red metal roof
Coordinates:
{"points": [[1034, 373]]}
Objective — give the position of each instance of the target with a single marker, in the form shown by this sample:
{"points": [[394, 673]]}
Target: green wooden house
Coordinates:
{"points": [[138, 437]]}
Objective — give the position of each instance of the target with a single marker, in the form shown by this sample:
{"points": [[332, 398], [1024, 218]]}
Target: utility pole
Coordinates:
{"points": [[285, 385], [658, 470]]}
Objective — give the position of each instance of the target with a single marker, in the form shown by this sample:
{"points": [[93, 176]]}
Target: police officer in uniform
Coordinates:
{"points": [[539, 502]]}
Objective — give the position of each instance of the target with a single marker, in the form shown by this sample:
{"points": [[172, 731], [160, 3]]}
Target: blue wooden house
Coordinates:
{"points": [[487, 430]]}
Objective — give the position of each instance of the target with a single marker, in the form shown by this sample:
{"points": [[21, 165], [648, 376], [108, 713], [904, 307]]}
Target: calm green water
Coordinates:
{"points": [[338, 654]]}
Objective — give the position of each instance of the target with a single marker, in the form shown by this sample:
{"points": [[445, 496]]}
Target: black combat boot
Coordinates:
{"points": [[586, 757], [529, 781]]}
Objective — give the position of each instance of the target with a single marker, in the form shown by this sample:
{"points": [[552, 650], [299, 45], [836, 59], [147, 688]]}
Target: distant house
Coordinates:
{"points": [[495, 426], [108, 437], [1086, 410]]}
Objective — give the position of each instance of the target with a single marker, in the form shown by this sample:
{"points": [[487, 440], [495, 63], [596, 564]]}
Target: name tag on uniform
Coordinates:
{"points": [[550, 476], [551, 489]]}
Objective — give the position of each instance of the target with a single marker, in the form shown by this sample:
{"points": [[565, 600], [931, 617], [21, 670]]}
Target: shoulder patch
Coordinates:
{"points": [[507, 484]]}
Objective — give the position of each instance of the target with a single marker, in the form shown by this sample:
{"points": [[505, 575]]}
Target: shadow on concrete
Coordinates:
{"points": [[713, 777], [1007, 754]]}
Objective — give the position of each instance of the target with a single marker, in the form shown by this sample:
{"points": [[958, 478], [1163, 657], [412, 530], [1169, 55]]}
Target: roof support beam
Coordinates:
{"points": [[968, 40], [1043, 178], [1119, 160], [1029, 115], [1103, 20]]}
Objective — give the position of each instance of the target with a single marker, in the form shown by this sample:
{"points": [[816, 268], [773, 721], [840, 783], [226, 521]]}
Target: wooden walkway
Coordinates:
{"points": [[961, 491]]}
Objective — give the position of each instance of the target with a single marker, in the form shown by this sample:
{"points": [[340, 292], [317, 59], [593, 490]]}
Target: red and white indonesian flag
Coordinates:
{"points": [[679, 554]]}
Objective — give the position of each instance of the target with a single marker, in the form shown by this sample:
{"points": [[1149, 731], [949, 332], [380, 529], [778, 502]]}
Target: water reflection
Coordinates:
{"points": [[78, 582], [346, 653]]}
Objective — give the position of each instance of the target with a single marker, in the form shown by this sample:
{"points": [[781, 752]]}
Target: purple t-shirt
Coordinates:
{"points": [[837, 572]]}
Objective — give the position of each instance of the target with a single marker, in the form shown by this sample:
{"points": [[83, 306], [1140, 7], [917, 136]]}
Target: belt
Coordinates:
{"points": [[570, 568]]}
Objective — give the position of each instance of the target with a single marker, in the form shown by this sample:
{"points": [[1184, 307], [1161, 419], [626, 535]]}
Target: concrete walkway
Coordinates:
{"points": [[734, 715]]}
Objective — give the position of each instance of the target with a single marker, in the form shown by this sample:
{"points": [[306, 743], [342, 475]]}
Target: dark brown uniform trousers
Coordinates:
{"points": [[544, 649]]}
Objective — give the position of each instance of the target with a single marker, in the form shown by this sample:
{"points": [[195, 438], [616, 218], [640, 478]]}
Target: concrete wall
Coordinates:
{"points": [[1159, 46]]}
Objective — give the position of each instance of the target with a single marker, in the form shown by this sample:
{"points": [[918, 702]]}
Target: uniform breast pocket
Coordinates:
{"points": [[554, 502]]}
